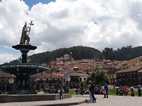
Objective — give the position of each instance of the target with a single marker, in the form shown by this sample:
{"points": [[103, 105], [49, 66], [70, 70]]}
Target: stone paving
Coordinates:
{"points": [[115, 101], [111, 101], [64, 102]]}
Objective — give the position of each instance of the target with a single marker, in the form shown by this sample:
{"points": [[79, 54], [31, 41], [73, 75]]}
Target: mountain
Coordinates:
{"points": [[81, 52], [124, 53], [77, 52]]}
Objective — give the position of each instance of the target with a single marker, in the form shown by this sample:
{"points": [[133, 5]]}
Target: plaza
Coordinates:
{"points": [[82, 53], [115, 101], [81, 101]]}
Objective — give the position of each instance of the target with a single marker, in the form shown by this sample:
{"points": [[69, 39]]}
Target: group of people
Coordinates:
{"points": [[91, 89], [125, 90]]}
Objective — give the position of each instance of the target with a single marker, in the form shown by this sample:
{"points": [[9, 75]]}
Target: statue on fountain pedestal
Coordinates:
{"points": [[25, 39], [24, 46]]}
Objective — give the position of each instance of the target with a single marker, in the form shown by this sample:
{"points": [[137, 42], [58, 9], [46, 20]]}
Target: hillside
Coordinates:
{"points": [[78, 52], [81, 52], [124, 53]]}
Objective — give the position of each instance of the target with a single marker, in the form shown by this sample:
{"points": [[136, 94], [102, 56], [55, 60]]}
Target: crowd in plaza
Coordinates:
{"points": [[91, 89], [125, 90]]}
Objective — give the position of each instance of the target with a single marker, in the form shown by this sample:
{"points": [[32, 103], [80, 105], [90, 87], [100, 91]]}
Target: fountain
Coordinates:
{"points": [[23, 71]]}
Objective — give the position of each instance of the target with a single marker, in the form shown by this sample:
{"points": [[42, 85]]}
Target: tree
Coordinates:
{"points": [[98, 77], [108, 53], [53, 69]]}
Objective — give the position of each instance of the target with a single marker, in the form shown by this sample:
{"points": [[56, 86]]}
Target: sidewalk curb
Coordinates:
{"points": [[65, 104]]}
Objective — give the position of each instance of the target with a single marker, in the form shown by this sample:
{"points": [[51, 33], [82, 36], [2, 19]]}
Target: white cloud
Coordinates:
{"points": [[64, 23], [95, 23], [12, 15], [6, 57]]}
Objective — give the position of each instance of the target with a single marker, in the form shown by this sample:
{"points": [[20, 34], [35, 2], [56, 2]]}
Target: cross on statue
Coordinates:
{"points": [[25, 39]]}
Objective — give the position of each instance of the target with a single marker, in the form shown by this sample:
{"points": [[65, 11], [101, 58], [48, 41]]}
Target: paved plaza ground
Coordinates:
{"points": [[111, 101], [63, 102], [116, 101]]}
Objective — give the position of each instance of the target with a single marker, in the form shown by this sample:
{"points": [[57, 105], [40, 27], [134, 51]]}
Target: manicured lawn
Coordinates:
{"points": [[112, 92], [72, 92]]}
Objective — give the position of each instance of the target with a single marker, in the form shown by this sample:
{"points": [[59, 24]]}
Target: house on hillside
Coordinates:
{"points": [[110, 68]]}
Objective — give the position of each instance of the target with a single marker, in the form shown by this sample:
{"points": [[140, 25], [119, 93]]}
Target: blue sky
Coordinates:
{"points": [[33, 2]]}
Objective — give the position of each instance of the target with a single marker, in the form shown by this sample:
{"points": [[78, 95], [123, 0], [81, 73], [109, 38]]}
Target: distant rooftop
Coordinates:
{"points": [[132, 69]]}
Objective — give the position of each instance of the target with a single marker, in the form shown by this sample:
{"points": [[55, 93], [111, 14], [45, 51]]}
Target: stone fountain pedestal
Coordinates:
{"points": [[30, 97], [24, 70], [24, 49]]}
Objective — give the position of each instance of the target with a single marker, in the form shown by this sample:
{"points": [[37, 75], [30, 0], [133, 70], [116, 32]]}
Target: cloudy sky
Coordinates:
{"points": [[65, 23]]}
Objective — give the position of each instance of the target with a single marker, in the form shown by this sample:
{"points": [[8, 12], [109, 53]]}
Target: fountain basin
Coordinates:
{"points": [[23, 68], [29, 97]]}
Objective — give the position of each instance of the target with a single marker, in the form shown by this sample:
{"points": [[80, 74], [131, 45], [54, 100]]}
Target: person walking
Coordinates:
{"points": [[92, 92], [106, 89], [139, 91], [61, 93]]}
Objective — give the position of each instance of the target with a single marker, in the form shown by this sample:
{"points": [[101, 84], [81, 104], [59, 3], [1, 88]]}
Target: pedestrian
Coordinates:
{"points": [[92, 92], [139, 91], [81, 88], [117, 90], [90, 96], [61, 93], [132, 92], [106, 89]]}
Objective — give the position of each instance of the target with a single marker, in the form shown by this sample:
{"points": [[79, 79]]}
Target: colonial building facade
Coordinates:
{"points": [[130, 76]]}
